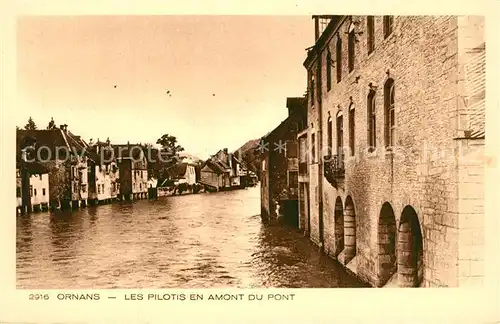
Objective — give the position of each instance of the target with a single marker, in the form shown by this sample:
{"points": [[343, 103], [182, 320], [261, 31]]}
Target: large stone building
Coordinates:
{"points": [[395, 134]]}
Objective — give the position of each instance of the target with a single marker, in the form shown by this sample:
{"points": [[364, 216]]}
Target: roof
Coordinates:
{"points": [[277, 129], [49, 142], [36, 168], [215, 167], [103, 156], [323, 38], [178, 170]]}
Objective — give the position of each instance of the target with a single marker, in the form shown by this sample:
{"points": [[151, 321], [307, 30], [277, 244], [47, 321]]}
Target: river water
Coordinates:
{"points": [[210, 240]]}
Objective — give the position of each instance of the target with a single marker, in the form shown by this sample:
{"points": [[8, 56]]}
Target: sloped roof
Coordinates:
{"points": [[51, 141], [178, 170], [36, 168], [215, 167]]}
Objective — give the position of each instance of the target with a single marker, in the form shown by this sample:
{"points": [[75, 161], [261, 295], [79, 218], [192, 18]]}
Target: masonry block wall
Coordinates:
{"points": [[470, 144], [417, 179]]}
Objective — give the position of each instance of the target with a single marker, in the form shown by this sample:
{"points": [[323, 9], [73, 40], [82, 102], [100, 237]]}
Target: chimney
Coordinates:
{"points": [[225, 150]]}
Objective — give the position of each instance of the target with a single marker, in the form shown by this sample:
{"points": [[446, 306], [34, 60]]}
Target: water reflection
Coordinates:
{"points": [[192, 241]]}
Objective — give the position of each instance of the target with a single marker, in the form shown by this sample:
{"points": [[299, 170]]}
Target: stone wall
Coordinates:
{"points": [[421, 56]]}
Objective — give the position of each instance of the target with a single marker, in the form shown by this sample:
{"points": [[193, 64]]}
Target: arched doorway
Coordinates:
{"points": [[386, 244], [339, 226], [410, 249], [349, 231]]}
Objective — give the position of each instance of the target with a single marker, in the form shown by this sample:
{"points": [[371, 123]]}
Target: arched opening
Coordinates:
{"points": [[410, 249], [339, 226], [349, 231], [386, 243]]}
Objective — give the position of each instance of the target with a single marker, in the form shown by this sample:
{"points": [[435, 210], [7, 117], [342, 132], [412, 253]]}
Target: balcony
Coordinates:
{"points": [[334, 168]]}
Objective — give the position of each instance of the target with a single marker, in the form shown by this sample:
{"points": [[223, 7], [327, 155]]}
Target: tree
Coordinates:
{"points": [[18, 128], [52, 124], [168, 154], [30, 125]]}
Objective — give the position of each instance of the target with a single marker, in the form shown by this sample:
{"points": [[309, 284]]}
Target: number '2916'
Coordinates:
{"points": [[39, 297]]}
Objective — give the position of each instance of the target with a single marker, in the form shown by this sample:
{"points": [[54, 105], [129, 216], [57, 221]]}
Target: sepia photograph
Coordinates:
{"points": [[250, 151]]}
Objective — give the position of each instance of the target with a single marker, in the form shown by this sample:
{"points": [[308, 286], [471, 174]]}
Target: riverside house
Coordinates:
{"points": [[133, 171], [103, 173], [222, 171], [62, 154], [279, 167]]}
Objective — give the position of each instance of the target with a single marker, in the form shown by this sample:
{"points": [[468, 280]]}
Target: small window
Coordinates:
{"points": [[313, 148], [43, 191], [339, 59], [329, 71], [372, 141], [18, 191], [35, 192], [293, 179], [330, 136], [370, 31], [390, 121], [388, 25], [31, 191], [352, 128], [291, 149], [312, 89], [350, 49], [340, 133]]}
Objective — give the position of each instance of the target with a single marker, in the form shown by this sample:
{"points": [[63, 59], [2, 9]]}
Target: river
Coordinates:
{"points": [[210, 240]]}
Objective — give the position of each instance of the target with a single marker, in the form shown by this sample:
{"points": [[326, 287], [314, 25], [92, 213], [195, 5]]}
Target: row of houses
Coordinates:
{"points": [[388, 177], [57, 169], [224, 171]]}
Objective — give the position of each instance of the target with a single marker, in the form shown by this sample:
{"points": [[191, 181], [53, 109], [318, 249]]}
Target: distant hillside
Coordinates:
{"points": [[248, 154]]}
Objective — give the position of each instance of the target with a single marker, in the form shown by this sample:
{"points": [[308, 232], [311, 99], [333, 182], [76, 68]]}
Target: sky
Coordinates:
{"points": [[228, 77]]}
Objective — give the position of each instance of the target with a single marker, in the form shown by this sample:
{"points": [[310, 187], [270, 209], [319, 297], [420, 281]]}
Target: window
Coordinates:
{"points": [[340, 133], [330, 136], [313, 148], [31, 191], [35, 192], [293, 179], [291, 149], [388, 22], [350, 49], [352, 129], [43, 191], [390, 121], [99, 189], [372, 143], [18, 192], [370, 31], [312, 88], [75, 187], [84, 187], [140, 186], [329, 71], [339, 59]]}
